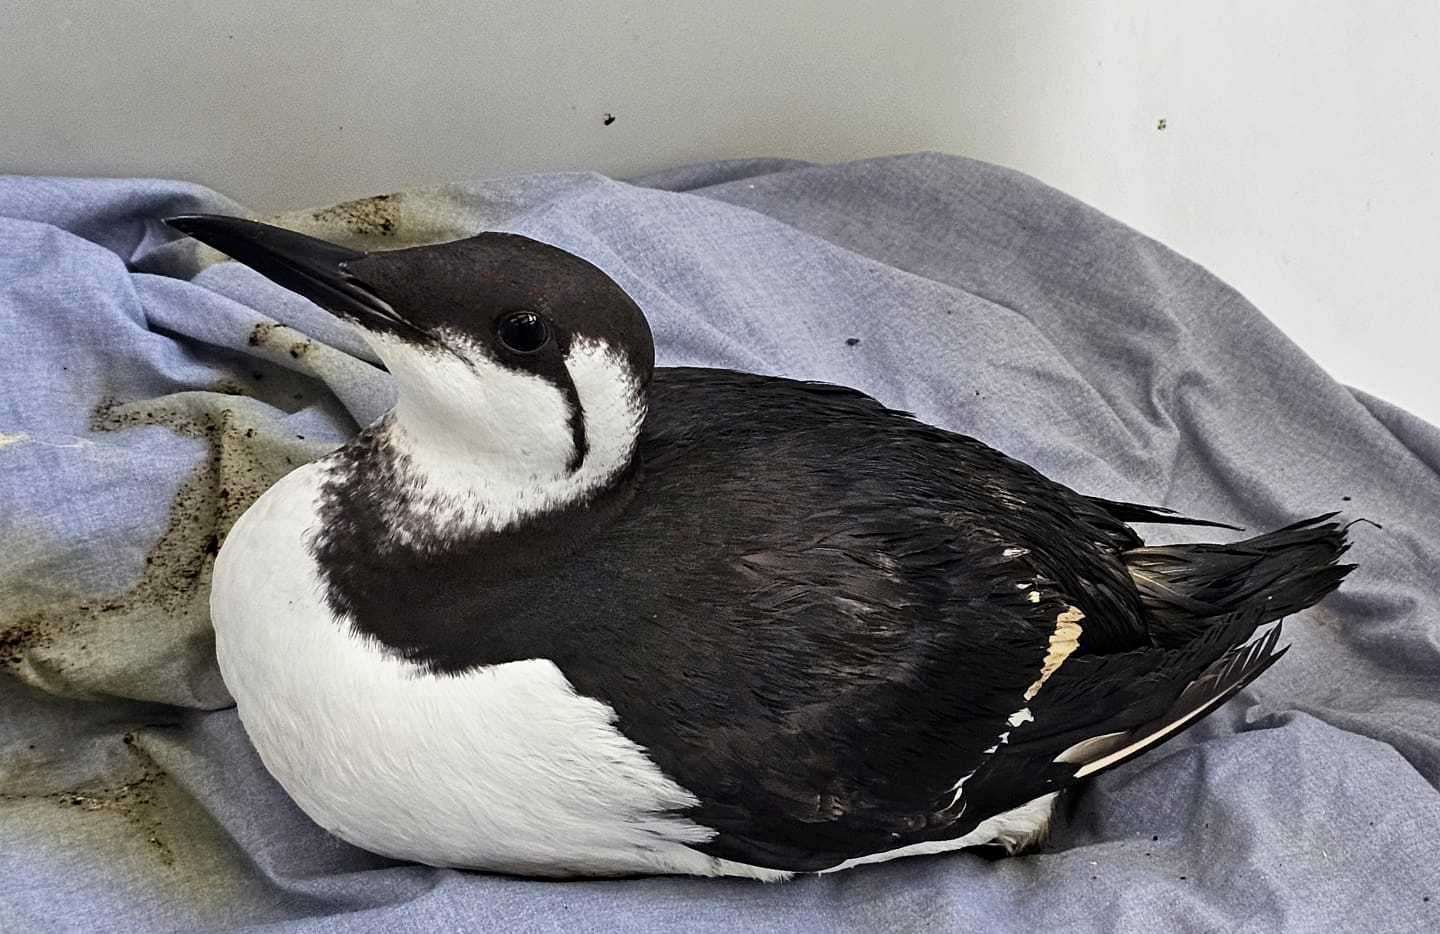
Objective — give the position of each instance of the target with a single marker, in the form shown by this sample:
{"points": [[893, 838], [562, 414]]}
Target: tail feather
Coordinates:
{"points": [[1184, 587], [1222, 680]]}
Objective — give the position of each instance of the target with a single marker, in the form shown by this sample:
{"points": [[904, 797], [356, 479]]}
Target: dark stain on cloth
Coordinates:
{"points": [[152, 641], [377, 216], [136, 798]]}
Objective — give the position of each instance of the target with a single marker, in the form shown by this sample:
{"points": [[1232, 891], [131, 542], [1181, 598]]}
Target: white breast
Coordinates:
{"points": [[504, 768]]}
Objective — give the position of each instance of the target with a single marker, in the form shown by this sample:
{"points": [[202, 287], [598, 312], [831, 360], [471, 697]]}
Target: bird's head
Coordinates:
{"points": [[520, 367]]}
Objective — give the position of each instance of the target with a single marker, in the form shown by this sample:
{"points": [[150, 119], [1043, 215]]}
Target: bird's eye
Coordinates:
{"points": [[523, 331]]}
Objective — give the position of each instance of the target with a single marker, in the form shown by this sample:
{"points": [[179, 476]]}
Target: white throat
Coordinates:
{"points": [[481, 446]]}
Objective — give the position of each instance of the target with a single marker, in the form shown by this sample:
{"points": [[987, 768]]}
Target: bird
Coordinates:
{"points": [[563, 612]]}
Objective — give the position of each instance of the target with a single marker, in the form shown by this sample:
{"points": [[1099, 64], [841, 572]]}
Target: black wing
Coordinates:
{"points": [[924, 615], [880, 596]]}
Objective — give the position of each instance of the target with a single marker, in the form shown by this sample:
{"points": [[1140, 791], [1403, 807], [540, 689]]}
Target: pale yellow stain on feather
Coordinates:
{"points": [[1063, 641]]}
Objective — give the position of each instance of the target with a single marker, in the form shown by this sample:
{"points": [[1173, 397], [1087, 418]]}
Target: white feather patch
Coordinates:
{"points": [[1063, 641], [486, 445]]}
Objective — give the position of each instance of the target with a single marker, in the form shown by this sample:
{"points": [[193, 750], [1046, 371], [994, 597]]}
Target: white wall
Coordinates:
{"points": [[1299, 160]]}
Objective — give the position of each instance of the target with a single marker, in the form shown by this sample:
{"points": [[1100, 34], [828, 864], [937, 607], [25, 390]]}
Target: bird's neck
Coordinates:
{"points": [[424, 486]]}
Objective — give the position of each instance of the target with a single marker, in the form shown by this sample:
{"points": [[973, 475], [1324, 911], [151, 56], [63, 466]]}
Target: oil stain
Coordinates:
{"points": [[260, 336], [137, 800], [153, 642], [377, 216], [280, 339], [20, 636], [386, 222]]}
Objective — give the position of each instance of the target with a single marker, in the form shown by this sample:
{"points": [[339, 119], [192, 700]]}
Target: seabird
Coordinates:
{"points": [[563, 612]]}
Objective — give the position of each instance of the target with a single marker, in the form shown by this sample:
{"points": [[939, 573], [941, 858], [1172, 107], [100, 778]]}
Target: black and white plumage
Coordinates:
{"points": [[565, 613]]}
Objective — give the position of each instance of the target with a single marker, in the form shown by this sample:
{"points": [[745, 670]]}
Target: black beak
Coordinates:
{"points": [[317, 269]]}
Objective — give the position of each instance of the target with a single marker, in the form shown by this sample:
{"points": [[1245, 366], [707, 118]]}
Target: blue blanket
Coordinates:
{"points": [[149, 392]]}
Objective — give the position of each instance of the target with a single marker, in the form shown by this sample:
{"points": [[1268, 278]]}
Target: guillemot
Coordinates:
{"points": [[563, 612]]}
